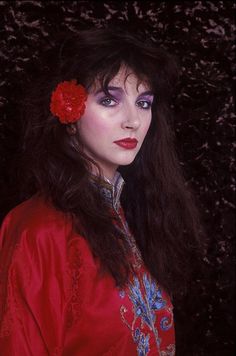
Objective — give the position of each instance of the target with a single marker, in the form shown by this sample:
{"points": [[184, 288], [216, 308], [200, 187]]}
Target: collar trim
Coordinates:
{"points": [[111, 190]]}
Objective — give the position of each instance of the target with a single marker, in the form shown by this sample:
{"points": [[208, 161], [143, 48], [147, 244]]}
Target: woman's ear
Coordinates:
{"points": [[71, 129]]}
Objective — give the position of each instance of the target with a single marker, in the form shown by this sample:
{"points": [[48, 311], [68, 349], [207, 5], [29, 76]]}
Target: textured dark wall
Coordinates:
{"points": [[201, 34]]}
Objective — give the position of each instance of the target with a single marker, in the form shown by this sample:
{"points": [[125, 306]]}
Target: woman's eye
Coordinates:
{"points": [[108, 102], [144, 104]]}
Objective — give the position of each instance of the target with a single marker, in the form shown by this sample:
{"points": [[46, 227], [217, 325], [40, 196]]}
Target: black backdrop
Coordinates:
{"points": [[201, 35]]}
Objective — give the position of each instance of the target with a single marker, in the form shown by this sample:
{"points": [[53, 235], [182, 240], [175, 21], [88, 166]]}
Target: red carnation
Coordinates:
{"points": [[68, 101]]}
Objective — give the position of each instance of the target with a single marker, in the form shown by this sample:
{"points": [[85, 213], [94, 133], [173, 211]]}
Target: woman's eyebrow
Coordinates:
{"points": [[120, 90], [148, 92], [109, 88]]}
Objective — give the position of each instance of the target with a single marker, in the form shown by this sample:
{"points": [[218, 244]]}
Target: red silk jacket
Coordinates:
{"points": [[55, 301]]}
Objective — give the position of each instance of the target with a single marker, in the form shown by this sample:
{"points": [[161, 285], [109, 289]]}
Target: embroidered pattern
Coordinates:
{"points": [[145, 295], [137, 258], [142, 341], [74, 272], [11, 306], [170, 351], [165, 323], [146, 299]]}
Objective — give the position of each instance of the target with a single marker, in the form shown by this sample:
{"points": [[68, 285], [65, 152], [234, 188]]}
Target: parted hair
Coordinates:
{"points": [[159, 208]]}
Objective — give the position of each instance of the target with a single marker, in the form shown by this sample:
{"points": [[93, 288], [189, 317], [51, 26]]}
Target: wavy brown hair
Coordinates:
{"points": [[158, 207]]}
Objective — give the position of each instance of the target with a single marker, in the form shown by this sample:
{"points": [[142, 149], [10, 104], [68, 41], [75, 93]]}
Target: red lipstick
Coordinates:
{"points": [[128, 143]]}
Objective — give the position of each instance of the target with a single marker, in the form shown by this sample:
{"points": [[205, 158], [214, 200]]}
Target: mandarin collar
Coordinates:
{"points": [[111, 190]]}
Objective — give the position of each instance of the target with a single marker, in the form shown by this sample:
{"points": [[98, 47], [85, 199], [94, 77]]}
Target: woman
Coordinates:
{"points": [[89, 263]]}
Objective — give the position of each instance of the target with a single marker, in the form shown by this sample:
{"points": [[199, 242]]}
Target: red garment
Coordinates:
{"points": [[57, 303]]}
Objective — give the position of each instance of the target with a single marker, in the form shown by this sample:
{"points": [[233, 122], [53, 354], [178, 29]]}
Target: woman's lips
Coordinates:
{"points": [[128, 143]]}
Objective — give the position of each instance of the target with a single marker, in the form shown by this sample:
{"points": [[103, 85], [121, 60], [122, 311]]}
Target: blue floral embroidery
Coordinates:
{"points": [[165, 323], [143, 344], [154, 295], [145, 306]]}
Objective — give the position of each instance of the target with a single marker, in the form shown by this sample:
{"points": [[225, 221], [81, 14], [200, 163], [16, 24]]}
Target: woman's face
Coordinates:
{"points": [[113, 127]]}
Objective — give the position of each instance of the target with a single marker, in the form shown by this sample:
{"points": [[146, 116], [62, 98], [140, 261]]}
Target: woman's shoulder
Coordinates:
{"points": [[35, 207], [36, 218]]}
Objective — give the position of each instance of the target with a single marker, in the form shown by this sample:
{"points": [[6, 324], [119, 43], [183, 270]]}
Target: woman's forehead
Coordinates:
{"points": [[125, 76]]}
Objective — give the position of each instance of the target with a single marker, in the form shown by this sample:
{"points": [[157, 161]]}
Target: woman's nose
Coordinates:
{"points": [[131, 119]]}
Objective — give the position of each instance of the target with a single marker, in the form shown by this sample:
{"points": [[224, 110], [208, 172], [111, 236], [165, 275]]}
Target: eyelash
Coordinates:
{"points": [[102, 101], [149, 104], [107, 98]]}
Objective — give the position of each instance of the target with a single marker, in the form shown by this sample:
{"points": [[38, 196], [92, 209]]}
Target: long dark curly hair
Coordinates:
{"points": [[158, 207]]}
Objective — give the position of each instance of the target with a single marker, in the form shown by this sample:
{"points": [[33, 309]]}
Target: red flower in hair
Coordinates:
{"points": [[68, 101]]}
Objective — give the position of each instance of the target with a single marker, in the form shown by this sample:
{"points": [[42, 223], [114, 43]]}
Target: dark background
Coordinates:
{"points": [[201, 34]]}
